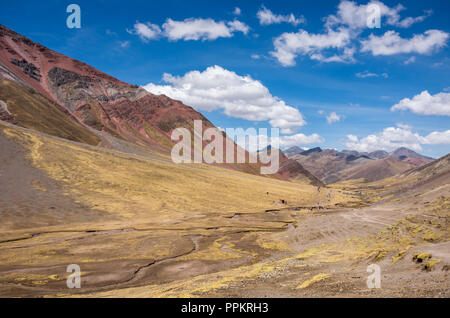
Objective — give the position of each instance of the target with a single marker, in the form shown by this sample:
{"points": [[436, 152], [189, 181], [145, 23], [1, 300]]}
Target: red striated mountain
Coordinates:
{"points": [[93, 97], [47, 91]]}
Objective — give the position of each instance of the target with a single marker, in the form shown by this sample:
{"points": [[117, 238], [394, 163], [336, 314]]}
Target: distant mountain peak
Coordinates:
{"points": [[295, 150], [406, 153], [378, 154], [312, 150]]}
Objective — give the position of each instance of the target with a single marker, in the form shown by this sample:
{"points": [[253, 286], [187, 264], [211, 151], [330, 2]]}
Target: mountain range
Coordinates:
{"points": [[330, 165]]}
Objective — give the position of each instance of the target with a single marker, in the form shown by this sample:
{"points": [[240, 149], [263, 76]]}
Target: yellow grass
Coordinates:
{"points": [[131, 186], [315, 279]]}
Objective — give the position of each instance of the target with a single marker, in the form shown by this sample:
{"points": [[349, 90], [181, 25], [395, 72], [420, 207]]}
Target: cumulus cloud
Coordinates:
{"points": [[341, 36], [146, 31], [392, 138], [237, 25], [366, 74], [201, 29], [289, 45], [267, 17], [237, 11], [333, 118], [299, 139], [255, 56], [438, 138], [345, 57], [355, 16], [391, 43], [189, 29], [426, 104], [404, 126], [238, 96]]}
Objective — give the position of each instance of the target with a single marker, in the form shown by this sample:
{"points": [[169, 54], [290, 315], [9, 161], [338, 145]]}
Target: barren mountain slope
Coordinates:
{"points": [[323, 164], [372, 171]]}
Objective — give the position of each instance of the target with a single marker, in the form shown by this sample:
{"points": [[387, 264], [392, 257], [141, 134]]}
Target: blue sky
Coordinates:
{"points": [[275, 70]]}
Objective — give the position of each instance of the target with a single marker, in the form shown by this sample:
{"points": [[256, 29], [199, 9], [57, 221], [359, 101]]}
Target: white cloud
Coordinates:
{"points": [[392, 138], [407, 22], [391, 43], [340, 39], [237, 11], [404, 126], [438, 138], [355, 16], [201, 29], [238, 26], [146, 31], [345, 57], [299, 139], [267, 17], [238, 96], [189, 29], [289, 45], [333, 118], [411, 60], [195, 29], [366, 74], [426, 104], [255, 56]]}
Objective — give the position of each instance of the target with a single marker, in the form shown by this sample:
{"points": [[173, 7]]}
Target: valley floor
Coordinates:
{"points": [[325, 254]]}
